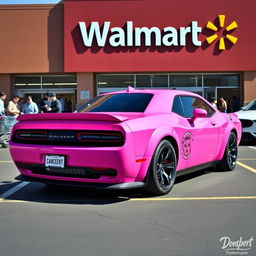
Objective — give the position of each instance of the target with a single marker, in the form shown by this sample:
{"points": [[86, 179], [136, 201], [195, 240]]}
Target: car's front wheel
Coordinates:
{"points": [[162, 170], [228, 162]]}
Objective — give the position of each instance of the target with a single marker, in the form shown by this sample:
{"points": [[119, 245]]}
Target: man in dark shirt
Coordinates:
{"points": [[45, 103], [55, 106]]}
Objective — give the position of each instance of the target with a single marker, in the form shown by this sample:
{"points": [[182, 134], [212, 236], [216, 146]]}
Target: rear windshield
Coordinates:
{"points": [[121, 102]]}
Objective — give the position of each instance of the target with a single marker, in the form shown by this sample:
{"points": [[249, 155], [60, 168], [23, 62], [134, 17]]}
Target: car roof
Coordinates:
{"points": [[155, 91], [162, 100]]}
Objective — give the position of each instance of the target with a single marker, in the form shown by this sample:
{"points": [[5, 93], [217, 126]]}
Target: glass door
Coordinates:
{"points": [[210, 93]]}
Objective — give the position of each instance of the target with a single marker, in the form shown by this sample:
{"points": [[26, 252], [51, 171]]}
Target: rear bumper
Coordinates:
{"points": [[119, 186], [120, 159]]}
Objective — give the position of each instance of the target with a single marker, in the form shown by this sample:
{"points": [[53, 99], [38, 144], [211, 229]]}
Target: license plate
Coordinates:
{"points": [[55, 161]]}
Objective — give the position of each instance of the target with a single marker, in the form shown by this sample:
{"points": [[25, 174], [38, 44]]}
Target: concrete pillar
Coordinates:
{"points": [[6, 86], [249, 86], [85, 82]]}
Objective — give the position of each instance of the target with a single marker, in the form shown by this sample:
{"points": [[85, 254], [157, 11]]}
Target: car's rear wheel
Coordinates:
{"points": [[228, 162], [162, 170]]}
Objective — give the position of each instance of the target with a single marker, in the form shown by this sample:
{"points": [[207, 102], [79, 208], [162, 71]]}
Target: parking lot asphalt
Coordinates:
{"points": [[202, 212]]}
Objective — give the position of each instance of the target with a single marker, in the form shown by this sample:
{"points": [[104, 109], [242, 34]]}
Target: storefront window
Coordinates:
{"points": [[222, 80], [159, 80], [207, 85], [45, 82], [114, 81], [27, 82], [61, 81], [184, 80], [168, 80], [37, 85], [143, 81]]}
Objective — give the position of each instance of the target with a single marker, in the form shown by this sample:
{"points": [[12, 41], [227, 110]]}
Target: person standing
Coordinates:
{"points": [[55, 106], [12, 108], [30, 107], [45, 103], [222, 105], [2, 98]]}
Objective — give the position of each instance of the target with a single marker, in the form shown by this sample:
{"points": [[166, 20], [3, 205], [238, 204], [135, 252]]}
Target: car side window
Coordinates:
{"points": [[190, 103], [185, 105], [177, 106]]}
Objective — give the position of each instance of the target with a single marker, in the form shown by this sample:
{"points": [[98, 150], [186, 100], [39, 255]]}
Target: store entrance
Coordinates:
{"points": [[67, 99], [231, 96]]}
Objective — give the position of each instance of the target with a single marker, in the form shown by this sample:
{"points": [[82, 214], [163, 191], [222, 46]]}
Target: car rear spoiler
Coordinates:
{"points": [[73, 116]]}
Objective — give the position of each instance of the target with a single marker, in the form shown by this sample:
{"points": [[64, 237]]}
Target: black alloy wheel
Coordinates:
{"points": [[162, 170], [228, 162], [232, 150]]}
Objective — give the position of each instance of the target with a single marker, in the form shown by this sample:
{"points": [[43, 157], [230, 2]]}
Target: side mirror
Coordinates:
{"points": [[198, 113]]}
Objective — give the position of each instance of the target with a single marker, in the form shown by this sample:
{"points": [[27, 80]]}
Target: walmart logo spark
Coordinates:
{"points": [[233, 25]]}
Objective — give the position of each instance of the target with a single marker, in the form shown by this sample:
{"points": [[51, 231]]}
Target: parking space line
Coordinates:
{"points": [[6, 161], [246, 159], [246, 167], [138, 199], [252, 147], [13, 190], [193, 198], [12, 201]]}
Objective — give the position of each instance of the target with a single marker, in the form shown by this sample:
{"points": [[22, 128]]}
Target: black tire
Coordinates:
{"points": [[162, 170], [228, 162]]}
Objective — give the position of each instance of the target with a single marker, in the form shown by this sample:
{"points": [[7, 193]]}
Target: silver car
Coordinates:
{"points": [[247, 117]]}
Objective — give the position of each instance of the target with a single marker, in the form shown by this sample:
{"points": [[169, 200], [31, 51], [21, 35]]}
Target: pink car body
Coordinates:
{"points": [[116, 149]]}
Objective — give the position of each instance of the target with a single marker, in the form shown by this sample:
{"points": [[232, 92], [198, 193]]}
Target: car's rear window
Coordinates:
{"points": [[121, 102]]}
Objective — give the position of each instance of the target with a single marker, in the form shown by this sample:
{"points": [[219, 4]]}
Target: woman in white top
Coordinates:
{"points": [[2, 98]]}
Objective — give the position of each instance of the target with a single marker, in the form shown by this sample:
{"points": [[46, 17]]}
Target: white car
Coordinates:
{"points": [[247, 117]]}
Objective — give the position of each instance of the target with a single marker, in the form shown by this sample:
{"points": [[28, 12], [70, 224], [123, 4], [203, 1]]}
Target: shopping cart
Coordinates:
{"points": [[6, 124]]}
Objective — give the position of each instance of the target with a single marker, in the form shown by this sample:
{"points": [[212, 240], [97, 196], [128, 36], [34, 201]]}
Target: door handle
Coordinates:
{"points": [[213, 123]]}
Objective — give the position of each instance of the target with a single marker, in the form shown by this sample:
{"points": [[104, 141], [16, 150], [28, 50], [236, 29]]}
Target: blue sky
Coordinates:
{"points": [[29, 1]]}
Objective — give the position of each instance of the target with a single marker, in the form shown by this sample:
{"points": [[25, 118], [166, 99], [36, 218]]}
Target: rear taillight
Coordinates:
{"points": [[101, 137], [30, 135], [69, 138]]}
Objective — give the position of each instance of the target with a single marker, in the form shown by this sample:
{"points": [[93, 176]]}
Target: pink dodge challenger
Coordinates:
{"points": [[127, 139]]}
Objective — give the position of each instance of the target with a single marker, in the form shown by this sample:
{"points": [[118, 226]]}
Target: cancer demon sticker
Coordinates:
{"points": [[186, 145]]}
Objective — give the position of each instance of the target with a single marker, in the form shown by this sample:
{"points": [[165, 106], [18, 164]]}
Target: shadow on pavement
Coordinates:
{"points": [[42, 193], [6, 185]]}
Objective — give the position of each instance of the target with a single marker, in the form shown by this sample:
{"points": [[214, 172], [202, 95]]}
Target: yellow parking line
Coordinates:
{"points": [[6, 161], [246, 159], [246, 167], [2, 200], [193, 198]]}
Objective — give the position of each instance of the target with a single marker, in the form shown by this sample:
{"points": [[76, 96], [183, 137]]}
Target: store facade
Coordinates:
{"points": [[79, 48]]}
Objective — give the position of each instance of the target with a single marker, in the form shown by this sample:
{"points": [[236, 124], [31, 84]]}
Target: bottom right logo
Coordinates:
{"points": [[236, 247]]}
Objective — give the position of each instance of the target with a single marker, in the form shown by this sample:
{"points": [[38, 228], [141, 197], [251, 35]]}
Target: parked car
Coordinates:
{"points": [[247, 116], [128, 139]]}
